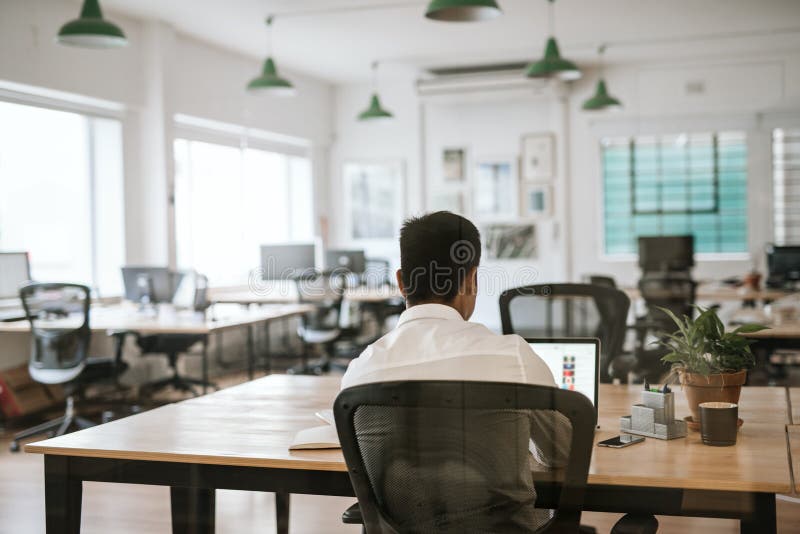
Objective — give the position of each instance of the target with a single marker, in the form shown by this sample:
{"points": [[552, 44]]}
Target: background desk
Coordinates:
{"points": [[238, 439], [245, 295], [715, 293], [127, 318]]}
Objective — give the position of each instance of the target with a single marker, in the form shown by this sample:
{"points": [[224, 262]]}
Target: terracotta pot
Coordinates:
{"points": [[724, 387]]}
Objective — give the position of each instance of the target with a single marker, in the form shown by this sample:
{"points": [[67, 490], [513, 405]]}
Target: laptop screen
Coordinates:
{"points": [[573, 363]]}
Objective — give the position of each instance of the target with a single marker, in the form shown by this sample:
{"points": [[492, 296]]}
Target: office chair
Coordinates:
{"points": [[60, 335], [319, 329], [453, 456], [602, 280], [659, 290], [569, 310]]}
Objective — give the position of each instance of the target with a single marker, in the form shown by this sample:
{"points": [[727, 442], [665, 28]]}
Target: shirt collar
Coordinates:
{"points": [[429, 311]]}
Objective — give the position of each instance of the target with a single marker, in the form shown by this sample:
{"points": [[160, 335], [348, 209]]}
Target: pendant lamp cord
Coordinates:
{"points": [[551, 17], [375, 77], [601, 50], [270, 20]]}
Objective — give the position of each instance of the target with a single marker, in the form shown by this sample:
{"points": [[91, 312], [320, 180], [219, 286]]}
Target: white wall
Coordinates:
{"points": [[159, 74], [749, 92]]}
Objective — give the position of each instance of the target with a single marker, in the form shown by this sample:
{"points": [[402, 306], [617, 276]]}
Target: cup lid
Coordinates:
{"points": [[718, 405]]}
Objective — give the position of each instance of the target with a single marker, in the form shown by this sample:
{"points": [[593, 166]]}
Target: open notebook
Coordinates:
{"points": [[318, 437]]}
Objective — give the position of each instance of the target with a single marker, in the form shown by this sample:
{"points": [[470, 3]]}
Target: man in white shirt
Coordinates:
{"points": [[439, 258], [438, 276]]}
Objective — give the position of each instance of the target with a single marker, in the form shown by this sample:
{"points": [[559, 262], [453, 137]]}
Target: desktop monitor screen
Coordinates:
{"points": [[573, 362], [352, 261], [666, 253], [283, 262], [783, 263], [14, 271], [158, 284]]}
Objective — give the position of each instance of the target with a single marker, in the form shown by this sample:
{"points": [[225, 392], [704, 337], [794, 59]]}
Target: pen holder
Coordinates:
{"points": [[654, 417]]}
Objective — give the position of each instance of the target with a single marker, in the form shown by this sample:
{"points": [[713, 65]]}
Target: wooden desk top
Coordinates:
{"points": [[793, 395], [253, 423], [793, 436], [245, 295], [126, 317], [714, 292]]}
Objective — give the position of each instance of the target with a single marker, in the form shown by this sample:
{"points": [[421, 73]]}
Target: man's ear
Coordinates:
{"points": [[471, 281], [399, 275]]}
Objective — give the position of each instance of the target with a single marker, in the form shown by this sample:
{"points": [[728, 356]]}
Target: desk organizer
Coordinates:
{"points": [[654, 417]]}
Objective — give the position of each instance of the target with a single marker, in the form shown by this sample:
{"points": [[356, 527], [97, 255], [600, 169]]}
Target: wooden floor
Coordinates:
{"points": [[121, 508]]}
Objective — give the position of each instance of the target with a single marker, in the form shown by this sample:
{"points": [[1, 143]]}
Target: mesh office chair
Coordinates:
{"points": [[453, 457], [60, 335], [673, 292], [319, 329], [568, 310]]}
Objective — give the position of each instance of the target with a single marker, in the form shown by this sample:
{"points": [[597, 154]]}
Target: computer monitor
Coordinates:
{"points": [[150, 285], [783, 264], [284, 262], [666, 253], [352, 261], [574, 362], [15, 270]]}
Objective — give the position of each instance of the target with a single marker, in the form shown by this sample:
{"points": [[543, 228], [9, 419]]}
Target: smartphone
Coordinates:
{"points": [[618, 442]]}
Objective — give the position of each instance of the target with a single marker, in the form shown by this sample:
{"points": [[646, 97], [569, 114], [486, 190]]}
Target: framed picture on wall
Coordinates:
{"points": [[454, 164], [538, 157], [374, 200], [495, 188], [536, 200], [510, 241]]}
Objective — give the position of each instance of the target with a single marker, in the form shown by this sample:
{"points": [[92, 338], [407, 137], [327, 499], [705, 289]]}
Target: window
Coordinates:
{"points": [[676, 184], [786, 185], [61, 194], [231, 200]]}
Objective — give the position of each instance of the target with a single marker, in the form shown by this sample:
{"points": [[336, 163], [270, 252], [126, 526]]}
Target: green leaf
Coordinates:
{"points": [[750, 328]]}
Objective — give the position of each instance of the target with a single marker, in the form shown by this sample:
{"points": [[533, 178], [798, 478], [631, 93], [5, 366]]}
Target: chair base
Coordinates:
{"points": [[180, 383], [54, 428]]}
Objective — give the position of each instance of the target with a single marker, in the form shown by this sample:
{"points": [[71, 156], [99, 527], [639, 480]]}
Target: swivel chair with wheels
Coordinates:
{"points": [[60, 334], [320, 328]]}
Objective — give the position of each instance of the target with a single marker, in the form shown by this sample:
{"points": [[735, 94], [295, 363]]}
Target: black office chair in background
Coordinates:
{"points": [[320, 328], [60, 335], [453, 457], [569, 310], [675, 293]]}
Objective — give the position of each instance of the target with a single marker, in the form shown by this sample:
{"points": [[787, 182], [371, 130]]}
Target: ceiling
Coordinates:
{"points": [[336, 40]]}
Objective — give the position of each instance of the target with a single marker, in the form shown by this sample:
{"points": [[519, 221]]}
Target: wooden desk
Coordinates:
{"points": [[793, 437], [238, 439], [715, 293], [244, 295], [218, 319]]}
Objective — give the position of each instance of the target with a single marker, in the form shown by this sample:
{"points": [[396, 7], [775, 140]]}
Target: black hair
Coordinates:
{"points": [[437, 251]]}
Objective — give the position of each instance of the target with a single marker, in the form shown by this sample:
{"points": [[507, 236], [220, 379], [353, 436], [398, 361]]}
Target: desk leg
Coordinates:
{"points": [[62, 496], [205, 364], [763, 520], [251, 353], [193, 510], [282, 512], [267, 350]]}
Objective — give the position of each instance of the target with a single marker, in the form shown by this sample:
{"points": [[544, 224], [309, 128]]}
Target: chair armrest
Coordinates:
{"points": [[352, 516]]}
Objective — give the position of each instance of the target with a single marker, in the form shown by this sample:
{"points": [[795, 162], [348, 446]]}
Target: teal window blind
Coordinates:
{"points": [[786, 185], [676, 184]]}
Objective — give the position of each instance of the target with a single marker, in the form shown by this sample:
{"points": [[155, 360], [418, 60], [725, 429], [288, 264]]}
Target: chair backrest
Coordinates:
{"points": [[675, 293], [602, 280], [59, 318], [568, 310], [325, 291], [452, 456]]}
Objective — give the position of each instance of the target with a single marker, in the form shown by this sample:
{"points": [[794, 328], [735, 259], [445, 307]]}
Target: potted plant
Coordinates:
{"points": [[710, 363]]}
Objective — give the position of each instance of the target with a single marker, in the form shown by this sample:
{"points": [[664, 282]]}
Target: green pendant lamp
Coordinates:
{"points": [[552, 65], [91, 30], [462, 10], [375, 111], [601, 99], [269, 81]]}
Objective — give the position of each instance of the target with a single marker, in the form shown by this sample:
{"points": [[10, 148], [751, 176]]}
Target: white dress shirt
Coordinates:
{"points": [[433, 342]]}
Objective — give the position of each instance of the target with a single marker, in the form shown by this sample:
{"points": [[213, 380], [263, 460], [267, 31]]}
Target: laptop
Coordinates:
{"points": [[574, 362]]}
